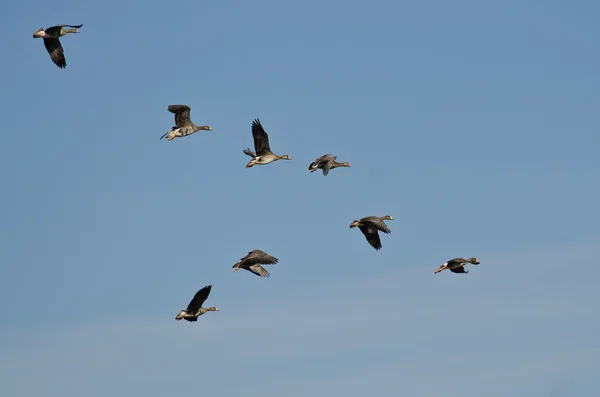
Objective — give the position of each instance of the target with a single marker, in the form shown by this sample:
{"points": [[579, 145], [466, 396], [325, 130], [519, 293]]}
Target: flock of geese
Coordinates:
{"points": [[370, 226]]}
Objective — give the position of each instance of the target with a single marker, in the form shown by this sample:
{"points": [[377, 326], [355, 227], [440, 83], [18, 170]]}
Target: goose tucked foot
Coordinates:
{"points": [[251, 163]]}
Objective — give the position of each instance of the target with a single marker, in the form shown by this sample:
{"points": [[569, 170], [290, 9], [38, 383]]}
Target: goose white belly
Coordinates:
{"points": [[173, 132]]}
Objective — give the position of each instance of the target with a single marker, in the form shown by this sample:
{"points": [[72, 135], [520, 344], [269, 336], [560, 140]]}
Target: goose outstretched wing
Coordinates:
{"points": [[182, 115], [198, 300], [261, 139], [56, 51]]}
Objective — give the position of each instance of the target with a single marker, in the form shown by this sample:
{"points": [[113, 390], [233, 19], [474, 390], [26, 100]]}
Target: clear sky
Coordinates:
{"points": [[473, 123]]}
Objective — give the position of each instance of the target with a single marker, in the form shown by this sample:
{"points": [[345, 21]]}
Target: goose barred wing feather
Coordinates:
{"points": [[182, 115], [377, 223], [56, 51], [259, 270], [198, 300], [371, 235], [259, 257], [381, 226], [261, 139], [326, 158]]}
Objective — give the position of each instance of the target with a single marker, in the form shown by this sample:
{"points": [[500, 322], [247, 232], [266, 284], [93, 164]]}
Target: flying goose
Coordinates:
{"points": [[369, 227], [457, 265], [263, 153], [252, 262], [195, 309], [183, 124], [326, 162], [52, 42]]}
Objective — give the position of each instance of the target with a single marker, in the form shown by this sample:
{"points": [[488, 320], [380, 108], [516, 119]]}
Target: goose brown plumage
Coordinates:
{"points": [[183, 123], [195, 309], [370, 226], [252, 262], [326, 162], [52, 43], [262, 154], [457, 265]]}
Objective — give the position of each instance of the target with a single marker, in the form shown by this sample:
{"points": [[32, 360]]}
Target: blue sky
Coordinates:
{"points": [[474, 124]]}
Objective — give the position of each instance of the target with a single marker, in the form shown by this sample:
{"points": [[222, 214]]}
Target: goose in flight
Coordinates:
{"points": [[370, 226], [195, 309], [183, 124], [457, 265], [52, 43], [263, 154], [326, 162], [252, 262]]}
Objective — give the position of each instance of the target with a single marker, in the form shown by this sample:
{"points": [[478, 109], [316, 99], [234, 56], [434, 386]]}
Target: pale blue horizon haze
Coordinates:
{"points": [[474, 124]]}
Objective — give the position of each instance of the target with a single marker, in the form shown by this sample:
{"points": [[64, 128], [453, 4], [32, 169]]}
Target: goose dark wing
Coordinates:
{"points": [[53, 32], [368, 219], [326, 157], [326, 163], [198, 300], [71, 26], [182, 115], [460, 269], [259, 257], [261, 139], [56, 52], [371, 235], [380, 225]]}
